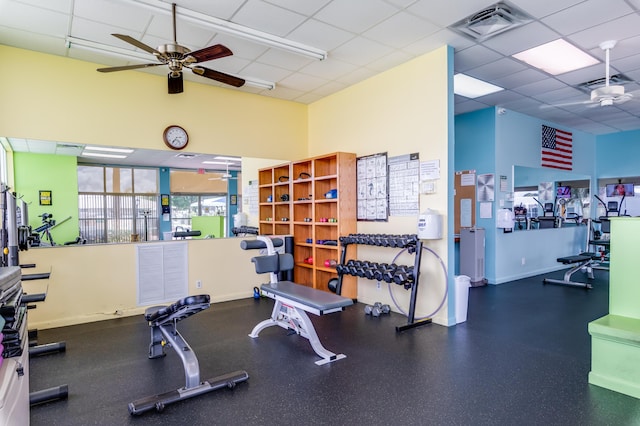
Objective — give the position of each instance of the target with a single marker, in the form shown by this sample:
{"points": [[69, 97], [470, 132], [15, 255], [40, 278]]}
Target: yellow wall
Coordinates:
{"points": [[54, 98], [401, 111], [90, 283]]}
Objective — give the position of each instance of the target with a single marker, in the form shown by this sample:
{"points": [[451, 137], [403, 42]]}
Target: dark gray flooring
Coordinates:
{"points": [[522, 358]]}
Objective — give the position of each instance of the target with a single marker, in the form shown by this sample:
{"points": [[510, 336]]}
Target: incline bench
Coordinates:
{"points": [[163, 322], [292, 301], [583, 260]]}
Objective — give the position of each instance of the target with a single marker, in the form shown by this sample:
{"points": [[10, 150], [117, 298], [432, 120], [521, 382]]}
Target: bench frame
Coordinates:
{"points": [[583, 260], [292, 315]]}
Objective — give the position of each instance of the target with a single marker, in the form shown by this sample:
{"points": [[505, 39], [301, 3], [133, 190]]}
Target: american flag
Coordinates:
{"points": [[557, 148]]}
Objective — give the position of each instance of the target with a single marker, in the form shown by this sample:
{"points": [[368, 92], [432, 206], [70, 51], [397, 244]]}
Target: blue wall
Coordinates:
{"points": [[617, 154], [493, 143]]}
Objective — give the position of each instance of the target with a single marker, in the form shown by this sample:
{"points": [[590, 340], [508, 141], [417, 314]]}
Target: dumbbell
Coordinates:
{"points": [[370, 271], [377, 309], [403, 274]]}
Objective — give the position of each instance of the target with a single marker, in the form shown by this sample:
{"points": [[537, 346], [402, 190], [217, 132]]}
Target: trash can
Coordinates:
{"points": [[463, 283]]}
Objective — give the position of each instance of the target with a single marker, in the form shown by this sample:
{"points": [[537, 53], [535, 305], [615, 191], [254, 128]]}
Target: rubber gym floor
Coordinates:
{"points": [[522, 358]]}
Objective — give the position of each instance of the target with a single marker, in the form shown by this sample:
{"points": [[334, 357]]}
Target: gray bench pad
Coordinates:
{"points": [[317, 299]]}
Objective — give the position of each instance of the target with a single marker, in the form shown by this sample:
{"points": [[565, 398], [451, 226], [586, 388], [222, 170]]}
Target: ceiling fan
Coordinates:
{"points": [[224, 176], [177, 57], [609, 94]]}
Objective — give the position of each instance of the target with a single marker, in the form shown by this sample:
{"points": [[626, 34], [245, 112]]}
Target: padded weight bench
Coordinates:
{"points": [[583, 260], [163, 321], [293, 301]]}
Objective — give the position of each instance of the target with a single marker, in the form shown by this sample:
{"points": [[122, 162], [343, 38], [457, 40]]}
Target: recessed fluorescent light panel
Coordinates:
{"points": [[470, 87], [556, 57], [98, 154], [223, 158], [107, 149]]}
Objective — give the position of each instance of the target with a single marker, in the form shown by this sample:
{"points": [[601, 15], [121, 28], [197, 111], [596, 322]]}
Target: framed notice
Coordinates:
{"points": [[372, 187], [46, 198]]}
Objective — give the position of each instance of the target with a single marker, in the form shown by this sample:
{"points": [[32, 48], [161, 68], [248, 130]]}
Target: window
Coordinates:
{"points": [[184, 207], [116, 203]]}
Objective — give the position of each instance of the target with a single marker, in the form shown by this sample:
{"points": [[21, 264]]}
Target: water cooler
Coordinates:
{"points": [[472, 255]]}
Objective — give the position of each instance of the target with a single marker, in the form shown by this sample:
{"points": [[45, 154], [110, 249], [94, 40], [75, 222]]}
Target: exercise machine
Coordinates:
{"points": [[163, 321], [292, 301]]}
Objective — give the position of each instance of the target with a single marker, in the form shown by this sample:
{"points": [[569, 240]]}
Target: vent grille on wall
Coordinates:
{"points": [[491, 21]]}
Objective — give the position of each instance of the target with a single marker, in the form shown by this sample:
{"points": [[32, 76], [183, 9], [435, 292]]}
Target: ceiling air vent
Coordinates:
{"points": [[491, 21], [616, 79]]}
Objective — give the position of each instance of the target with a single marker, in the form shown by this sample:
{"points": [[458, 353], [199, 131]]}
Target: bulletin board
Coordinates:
{"points": [[464, 200]]}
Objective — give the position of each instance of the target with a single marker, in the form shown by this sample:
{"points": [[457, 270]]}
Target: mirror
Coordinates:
{"points": [[201, 181], [547, 198]]}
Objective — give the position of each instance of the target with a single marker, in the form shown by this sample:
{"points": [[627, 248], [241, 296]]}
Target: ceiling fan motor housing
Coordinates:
{"points": [[607, 93]]}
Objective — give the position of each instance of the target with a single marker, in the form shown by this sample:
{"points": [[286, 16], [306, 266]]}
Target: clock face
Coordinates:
{"points": [[175, 137]]}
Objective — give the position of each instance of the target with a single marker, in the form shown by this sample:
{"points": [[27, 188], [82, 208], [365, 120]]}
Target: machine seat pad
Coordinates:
{"points": [[317, 299], [573, 259], [179, 310]]}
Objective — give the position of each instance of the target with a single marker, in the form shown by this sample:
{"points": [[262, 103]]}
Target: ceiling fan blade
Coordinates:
{"points": [[138, 44], [175, 83], [210, 53], [587, 103], [218, 76], [127, 67]]}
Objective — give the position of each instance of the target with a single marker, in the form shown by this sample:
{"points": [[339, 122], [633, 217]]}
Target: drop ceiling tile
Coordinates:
{"points": [[308, 98], [582, 75], [56, 5], [268, 18], [586, 14], [283, 59], [497, 69], [32, 41], [437, 40], [389, 61], [473, 57], [329, 70], [241, 48], [319, 35], [520, 78], [282, 92], [400, 30], [329, 88], [360, 51], [539, 87], [41, 147], [117, 14], [219, 9], [34, 19], [101, 33], [564, 94], [360, 74], [369, 13], [541, 8], [188, 34], [302, 82], [265, 72], [521, 38], [617, 29], [303, 7]]}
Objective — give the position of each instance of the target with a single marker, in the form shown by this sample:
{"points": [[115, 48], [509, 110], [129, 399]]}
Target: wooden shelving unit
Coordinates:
{"points": [[313, 216]]}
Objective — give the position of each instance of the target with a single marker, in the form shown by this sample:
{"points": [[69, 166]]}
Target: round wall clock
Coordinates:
{"points": [[175, 137]]}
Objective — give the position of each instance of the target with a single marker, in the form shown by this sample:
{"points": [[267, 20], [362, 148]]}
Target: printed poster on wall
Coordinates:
{"points": [[404, 185], [372, 184]]}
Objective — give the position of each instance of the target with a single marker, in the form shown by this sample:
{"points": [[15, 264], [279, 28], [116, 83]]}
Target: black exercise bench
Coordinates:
{"points": [[163, 322], [583, 260]]}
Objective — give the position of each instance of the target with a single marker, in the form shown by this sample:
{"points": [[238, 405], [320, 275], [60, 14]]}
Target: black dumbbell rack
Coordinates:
{"points": [[405, 275]]}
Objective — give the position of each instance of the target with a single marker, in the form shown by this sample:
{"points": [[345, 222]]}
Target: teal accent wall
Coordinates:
{"points": [[617, 154], [164, 177], [489, 142], [55, 173]]}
